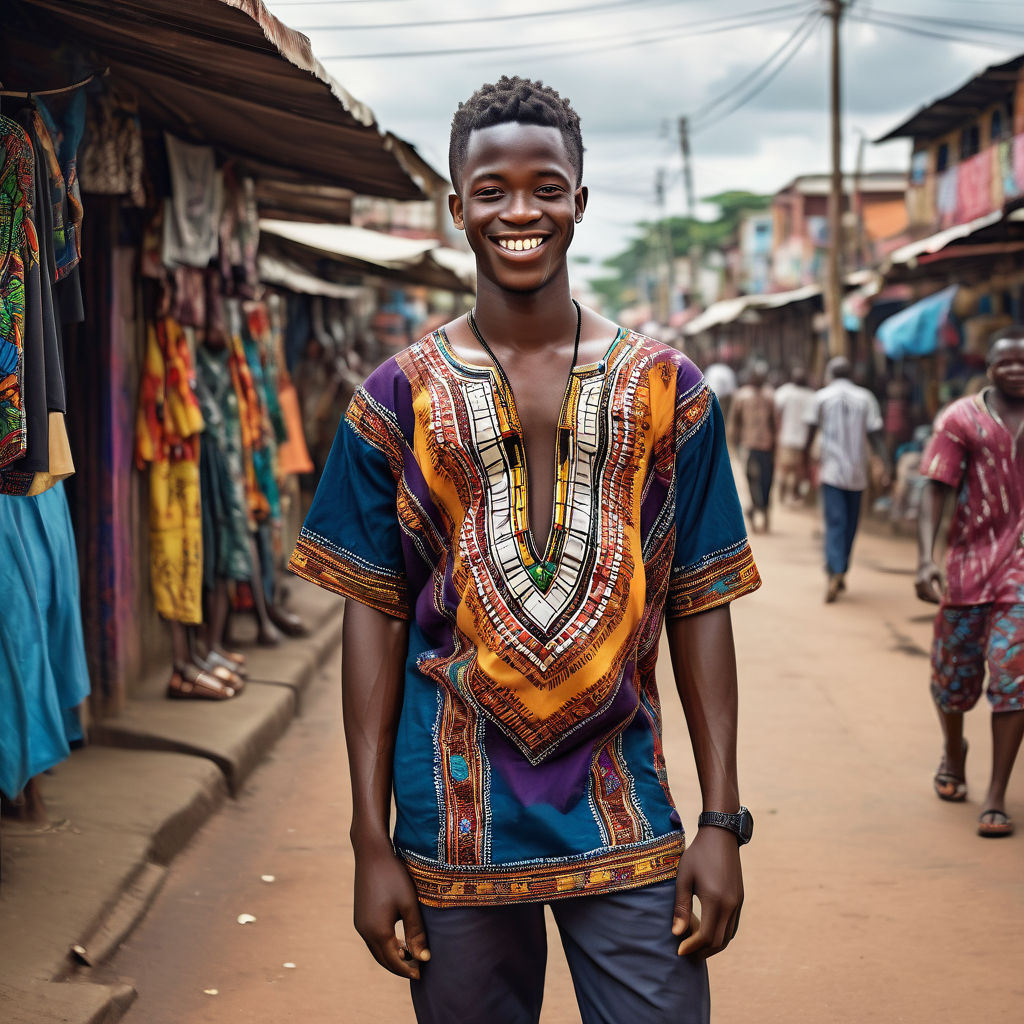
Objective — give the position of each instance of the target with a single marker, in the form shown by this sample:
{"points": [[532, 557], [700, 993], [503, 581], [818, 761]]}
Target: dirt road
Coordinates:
{"points": [[867, 898]]}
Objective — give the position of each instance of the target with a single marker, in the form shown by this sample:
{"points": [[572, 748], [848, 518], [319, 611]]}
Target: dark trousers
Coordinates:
{"points": [[487, 963], [760, 471], [842, 512]]}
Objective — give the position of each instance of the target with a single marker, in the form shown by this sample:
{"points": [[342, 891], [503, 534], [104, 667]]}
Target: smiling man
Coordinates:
{"points": [[513, 507], [976, 453]]}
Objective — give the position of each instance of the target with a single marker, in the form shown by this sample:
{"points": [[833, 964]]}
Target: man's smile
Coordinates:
{"points": [[518, 243]]}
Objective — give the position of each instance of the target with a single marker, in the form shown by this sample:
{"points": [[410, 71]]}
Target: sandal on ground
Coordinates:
{"points": [[948, 786], [217, 660], [235, 656], [995, 824], [192, 683]]}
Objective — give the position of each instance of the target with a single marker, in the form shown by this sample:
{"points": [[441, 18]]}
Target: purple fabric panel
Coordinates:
{"points": [[560, 780]]}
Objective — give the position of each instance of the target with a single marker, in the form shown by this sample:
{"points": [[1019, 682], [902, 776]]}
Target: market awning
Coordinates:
{"points": [[914, 331], [228, 74], [406, 260], [934, 243], [294, 277], [728, 311]]}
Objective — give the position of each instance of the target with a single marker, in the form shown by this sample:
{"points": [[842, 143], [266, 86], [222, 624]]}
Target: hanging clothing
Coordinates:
{"points": [[43, 672], [111, 160], [168, 425], [192, 213], [67, 137], [19, 252], [227, 551]]}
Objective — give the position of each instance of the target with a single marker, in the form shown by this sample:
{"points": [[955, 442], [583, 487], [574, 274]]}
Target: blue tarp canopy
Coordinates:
{"points": [[914, 331]]}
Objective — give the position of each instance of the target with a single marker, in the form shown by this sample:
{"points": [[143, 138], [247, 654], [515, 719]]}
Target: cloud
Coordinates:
{"points": [[626, 96]]}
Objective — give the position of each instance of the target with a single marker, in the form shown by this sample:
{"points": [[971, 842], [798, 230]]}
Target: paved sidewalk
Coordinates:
{"points": [[121, 809]]}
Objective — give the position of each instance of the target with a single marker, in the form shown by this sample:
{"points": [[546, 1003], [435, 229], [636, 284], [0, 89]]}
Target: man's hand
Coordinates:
{"points": [[710, 870], [928, 584], [384, 896]]}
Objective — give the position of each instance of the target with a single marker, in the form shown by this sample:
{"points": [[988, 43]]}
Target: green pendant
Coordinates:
{"points": [[542, 573]]}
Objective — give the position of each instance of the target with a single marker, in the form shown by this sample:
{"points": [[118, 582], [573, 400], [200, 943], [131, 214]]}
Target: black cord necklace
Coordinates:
{"points": [[497, 364]]}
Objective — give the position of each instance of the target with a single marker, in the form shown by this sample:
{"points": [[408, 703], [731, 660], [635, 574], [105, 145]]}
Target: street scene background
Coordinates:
{"points": [[244, 212]]}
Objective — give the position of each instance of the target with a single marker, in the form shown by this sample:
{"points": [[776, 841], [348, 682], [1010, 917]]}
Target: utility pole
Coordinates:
{"points": [[833, 10], [665, 244], [684, 146]]}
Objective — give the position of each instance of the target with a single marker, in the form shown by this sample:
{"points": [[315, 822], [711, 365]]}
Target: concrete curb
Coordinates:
{"points": [[122, 809]]}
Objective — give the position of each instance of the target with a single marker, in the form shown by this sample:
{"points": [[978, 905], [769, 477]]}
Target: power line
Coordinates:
{"points": [[973, 25], [667, 32], [804, 32], [585, 9], [753, 75], [929, 34]]}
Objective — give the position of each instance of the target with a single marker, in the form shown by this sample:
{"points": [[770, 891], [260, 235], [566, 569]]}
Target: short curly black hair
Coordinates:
{"points": [[514, 99]]}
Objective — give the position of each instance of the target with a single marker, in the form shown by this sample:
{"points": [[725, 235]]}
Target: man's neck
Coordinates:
{"points": [[1009, 409], [525, 320]]}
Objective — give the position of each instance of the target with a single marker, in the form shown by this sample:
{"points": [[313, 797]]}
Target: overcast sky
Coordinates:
{"points": [[631, 69]]}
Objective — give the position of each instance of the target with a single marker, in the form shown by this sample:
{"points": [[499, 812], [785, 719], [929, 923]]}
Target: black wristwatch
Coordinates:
{"points": [[741, 824]]}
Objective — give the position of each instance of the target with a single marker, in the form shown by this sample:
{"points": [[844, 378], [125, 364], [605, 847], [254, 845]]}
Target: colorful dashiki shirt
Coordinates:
{"points": [[528, 763], [973, 452]]}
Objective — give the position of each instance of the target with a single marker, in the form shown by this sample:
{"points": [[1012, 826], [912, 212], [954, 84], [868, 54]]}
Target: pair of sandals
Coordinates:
{"points": [[216, 677], [992, 822]]}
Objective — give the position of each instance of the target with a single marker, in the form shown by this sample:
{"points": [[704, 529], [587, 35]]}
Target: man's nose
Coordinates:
{"points": [[522, 208]]}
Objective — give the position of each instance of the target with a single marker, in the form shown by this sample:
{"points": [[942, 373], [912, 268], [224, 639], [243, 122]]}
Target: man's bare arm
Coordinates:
{"points": [[928, 584], [704, 663], [372, 683]]}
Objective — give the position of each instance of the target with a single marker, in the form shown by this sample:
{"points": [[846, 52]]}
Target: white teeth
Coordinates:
{"points": [[519, 244]]}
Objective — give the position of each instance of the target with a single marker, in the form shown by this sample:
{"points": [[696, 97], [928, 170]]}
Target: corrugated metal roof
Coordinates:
{"points": [[946, 113], [227, 73]]}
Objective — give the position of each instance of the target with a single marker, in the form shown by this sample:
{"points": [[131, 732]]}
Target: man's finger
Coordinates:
{"points": [[415, 933], [683, 916], [395, 958]]}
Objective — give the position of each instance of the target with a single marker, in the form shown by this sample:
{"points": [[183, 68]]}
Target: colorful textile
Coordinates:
{"points": [[19, 252], [528, 763], [43, 673], [969, 639], [972, 451], [974, 187], [67, 136], [227, 551], [167, 429]]}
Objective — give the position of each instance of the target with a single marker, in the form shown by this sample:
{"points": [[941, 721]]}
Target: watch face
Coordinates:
{"points": [[746, 825]]}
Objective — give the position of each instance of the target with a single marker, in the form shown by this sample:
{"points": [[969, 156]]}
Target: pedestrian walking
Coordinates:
{"points": [[793, 401], [500, 643], [721, 378], [975, 453], [850, 420], [753, 426]]}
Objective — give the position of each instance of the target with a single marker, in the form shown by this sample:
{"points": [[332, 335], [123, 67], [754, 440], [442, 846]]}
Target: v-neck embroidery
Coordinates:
{"points": [[983, 402], [542, 567]]}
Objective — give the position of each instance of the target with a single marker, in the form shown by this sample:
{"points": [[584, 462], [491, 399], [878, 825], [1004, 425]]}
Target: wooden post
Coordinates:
{"points": [[834, 271]]}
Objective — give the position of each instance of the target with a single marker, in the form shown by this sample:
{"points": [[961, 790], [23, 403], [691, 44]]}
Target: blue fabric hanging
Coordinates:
{"points": [[914, 331]]}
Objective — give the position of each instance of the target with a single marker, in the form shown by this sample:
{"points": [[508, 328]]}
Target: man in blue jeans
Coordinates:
{"points": [[849, 419]]}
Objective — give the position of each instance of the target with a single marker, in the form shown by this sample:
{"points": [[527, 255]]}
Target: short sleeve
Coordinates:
{"points": [[351, 541], [945, 455], [874, 421], [713, 563], [812, 417]]}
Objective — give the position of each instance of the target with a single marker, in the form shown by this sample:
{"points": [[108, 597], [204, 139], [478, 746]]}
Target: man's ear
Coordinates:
{"points": [[580, 199], [455, 208]]}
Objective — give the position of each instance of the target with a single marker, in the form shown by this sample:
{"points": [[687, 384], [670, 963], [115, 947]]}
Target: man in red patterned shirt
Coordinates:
{"points": [[976, 453]]}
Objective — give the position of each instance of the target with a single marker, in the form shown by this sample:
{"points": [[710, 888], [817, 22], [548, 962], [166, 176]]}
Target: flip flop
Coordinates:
{"points": [[1000, 827], [218, 660], [948, 786], [197, 685]]}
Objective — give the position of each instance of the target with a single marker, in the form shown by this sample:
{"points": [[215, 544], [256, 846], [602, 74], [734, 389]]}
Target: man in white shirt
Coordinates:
{"points": [[793, 401], [849, 419], [721, 378]]}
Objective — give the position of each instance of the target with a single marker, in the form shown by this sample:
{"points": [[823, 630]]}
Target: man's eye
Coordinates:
{"points": [[549, 190], [488, 193]]}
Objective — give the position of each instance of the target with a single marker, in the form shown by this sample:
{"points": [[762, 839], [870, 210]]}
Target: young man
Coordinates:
{"points": [[849, 419], [512, 506], [976, 453], [793, 401], [753, 425]]}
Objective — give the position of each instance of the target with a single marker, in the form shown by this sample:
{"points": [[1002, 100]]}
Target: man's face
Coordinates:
{"points": [[1006, 367], [518, 204]]}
